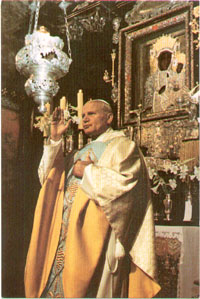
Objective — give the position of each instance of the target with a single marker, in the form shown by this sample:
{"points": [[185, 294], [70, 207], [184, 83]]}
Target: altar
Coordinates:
{"points": [[177, 250]]}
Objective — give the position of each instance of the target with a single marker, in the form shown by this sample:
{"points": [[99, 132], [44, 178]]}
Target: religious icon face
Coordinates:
{"points": [[164, 60], [179, 68]]}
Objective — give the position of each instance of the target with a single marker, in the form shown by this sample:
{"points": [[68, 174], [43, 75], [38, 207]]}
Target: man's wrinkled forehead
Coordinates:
{"points": [[95, 106]]}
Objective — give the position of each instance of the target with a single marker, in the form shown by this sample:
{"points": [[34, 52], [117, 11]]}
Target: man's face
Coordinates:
{"points": [[95, 120]]}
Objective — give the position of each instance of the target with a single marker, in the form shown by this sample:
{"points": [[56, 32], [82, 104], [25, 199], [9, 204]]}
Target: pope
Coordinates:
{"points": [[93, 230]]}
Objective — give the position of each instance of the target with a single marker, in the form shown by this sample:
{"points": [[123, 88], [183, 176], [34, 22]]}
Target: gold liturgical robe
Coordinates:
{"points": [[117, 182]]}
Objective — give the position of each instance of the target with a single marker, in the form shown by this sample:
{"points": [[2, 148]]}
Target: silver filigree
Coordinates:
{"points": [[116, 24], [95, 22], [75, 30], [43, 60]]}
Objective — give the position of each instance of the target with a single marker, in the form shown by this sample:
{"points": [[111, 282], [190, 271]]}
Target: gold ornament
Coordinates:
{"points": [[165, 43], [181, 57]]}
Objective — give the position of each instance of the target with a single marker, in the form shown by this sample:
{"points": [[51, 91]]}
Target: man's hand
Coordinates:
{"points": [[79, 167], [58, 126]]}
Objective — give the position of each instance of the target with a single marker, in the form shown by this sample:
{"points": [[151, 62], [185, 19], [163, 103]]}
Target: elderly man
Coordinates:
{"points": [[93, 232]]}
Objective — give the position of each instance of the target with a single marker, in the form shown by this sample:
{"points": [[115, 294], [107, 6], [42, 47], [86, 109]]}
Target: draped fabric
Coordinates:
{"points": [[87, 232], [86, 236], [45, 232], [118, 172], [119, 182], [54, 286]]}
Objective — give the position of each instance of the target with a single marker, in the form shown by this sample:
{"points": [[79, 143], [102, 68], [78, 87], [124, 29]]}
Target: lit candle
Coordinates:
{"points": [[63, 103], [80, 107], [48, 106]]}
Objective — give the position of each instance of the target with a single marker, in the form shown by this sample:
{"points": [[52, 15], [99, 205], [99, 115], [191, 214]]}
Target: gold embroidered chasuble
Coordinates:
{"points": [[117, 174]]}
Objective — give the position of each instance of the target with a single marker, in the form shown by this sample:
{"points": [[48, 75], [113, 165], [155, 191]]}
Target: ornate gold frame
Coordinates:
{"points": [[132, 63]]}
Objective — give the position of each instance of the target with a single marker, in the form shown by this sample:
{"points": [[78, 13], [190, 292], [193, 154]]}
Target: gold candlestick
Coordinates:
{"points": [[48, 106], [80, 140], [80, 107], [168, 207], [113, 56], [67, 105], [106, 76]]}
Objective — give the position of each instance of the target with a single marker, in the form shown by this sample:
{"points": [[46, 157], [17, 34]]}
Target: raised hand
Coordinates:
{"points": [[58, 126]]}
